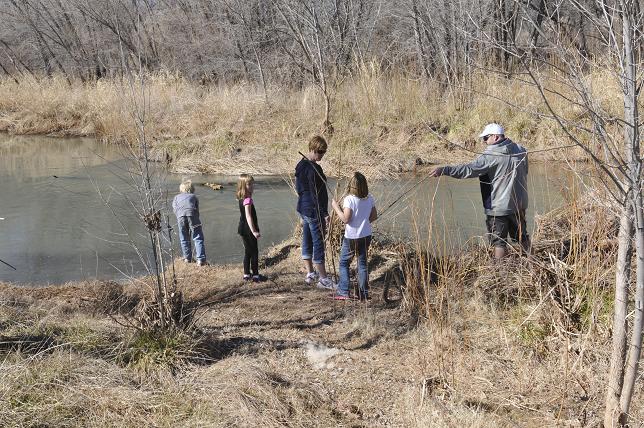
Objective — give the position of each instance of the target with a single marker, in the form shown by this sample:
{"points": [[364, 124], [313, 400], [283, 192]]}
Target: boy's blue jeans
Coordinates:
{"points": [[351, 247], [312, 240], [190, 225]]}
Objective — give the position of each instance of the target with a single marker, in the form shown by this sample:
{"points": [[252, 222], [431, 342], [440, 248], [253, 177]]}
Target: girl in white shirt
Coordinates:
{"points": [[357, 212]]}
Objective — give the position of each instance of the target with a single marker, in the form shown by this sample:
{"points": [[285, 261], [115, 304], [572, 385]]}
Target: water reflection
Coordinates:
{"points": [[37, 157], [58, 228]]}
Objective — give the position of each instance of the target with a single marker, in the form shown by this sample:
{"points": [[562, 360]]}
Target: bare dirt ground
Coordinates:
{"points": [[282, 353]]}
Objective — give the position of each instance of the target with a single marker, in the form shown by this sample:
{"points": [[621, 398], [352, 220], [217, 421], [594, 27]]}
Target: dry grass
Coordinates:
{"points": [[523, 343], [552, 309], [382, 123]]}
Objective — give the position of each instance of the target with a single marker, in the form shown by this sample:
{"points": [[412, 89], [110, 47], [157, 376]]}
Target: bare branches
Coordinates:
{"points": [[294, 42]]}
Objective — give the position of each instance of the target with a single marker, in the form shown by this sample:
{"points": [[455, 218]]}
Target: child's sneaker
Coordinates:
{"points": [[202, 263], [259, 278], [327, 283], [312, 277], [247, 277]]}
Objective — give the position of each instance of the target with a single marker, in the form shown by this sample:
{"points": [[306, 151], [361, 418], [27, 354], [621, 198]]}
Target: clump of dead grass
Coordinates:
{"points": [[569, 271]]}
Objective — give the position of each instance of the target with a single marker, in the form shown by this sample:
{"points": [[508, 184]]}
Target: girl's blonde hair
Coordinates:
{"points": [[357, 185], [186, 187], [242, 185]]}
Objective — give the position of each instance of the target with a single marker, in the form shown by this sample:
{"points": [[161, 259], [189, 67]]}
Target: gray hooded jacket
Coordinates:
{"points": [[502, 170]]}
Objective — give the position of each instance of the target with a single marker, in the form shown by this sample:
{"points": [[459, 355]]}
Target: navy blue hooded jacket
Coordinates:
{"points": [[311, 189]]}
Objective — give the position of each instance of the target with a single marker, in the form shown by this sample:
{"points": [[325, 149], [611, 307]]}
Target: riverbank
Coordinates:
{"points": [[382, 125], [524, 343]]}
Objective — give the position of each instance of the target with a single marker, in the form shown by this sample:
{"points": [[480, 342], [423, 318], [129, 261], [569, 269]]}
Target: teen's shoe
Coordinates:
{"points": [[312, 277], [187, 260], [260, 278], [327, 283], [247, 277], [202, 263]]}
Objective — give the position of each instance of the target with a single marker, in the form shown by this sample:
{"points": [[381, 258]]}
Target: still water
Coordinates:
{"points": [[58, 227]]}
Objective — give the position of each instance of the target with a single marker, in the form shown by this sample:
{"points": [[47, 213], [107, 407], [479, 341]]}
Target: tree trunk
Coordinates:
{"points": [[534, 37], [422, 56], [262, 76], [618, 355], [635, 348], [631, 135]]}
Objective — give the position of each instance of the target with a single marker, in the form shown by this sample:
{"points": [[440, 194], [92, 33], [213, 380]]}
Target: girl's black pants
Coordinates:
{"points": [[251, 254]]}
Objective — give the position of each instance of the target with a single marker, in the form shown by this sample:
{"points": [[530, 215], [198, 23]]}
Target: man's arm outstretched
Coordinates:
{"points": [[479, 166]]}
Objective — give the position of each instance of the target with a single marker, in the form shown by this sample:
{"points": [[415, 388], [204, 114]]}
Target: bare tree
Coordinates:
{"points": [[318, 37], [287, 42], [251, 24], [619, 28]]}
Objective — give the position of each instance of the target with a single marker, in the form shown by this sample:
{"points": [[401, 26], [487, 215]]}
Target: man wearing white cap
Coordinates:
{"points": [[502, 170]]}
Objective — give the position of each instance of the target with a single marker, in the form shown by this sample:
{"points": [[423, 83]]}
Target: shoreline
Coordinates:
{"points": [[211, 129], [42, 280], [405, 166]]}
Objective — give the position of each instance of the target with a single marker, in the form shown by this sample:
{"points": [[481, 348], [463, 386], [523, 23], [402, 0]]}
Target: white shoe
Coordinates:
{"points": [[327, 283], [312, 277]]}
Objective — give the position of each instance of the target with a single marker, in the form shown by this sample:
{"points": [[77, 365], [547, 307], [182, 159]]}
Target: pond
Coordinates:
{"points": [[57, 227]]}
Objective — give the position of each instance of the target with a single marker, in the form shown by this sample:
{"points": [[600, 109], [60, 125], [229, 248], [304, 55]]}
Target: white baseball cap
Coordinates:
{"points": [[492, 129]]}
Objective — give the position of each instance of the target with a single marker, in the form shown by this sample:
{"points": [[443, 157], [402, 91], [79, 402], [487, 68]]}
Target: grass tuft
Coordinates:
{"points": [[149, 350]]}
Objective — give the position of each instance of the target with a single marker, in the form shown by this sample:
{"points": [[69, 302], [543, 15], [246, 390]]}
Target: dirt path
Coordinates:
{"points": [[338, 348]]}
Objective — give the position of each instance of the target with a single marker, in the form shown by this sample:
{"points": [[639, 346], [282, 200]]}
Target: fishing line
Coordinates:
{"points": [[2, 261], [403, 193]]}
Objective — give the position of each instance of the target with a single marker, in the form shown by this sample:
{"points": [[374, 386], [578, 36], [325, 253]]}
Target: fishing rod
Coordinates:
{"points": [[2, 261], [403, 194]]}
